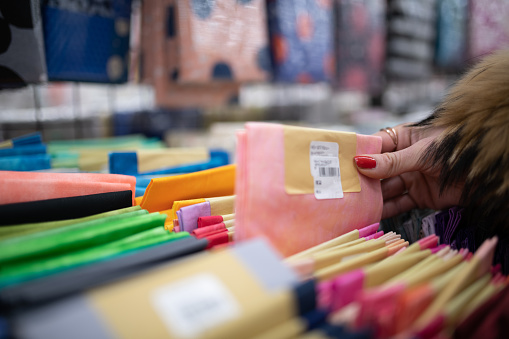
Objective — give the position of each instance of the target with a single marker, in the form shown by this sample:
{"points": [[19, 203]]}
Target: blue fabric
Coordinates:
{"points": [[25, 163], [127, 163], [301, 35], [28, 139], [140, 191], [123, 163], [84, 43], [23, 150]]}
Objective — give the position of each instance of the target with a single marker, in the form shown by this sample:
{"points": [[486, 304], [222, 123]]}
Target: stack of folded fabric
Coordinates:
{"points": [[147, 164], [25, 153], [61, 226], [92, 154], [419, 291], [188, 197]]}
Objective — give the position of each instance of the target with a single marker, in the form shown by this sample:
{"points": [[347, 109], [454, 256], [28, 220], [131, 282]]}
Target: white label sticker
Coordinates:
{"points": [[324, 162], [194, 305]]}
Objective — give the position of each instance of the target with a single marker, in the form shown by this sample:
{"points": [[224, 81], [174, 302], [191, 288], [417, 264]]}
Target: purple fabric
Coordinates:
{"points": [[189, 215], [179, 217]]}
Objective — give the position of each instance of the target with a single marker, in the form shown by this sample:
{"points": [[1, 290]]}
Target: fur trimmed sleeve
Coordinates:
{"points": [[474, 148]]}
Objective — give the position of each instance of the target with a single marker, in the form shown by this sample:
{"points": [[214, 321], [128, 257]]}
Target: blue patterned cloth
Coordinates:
{"points": [[301, 36], [87, 40]]}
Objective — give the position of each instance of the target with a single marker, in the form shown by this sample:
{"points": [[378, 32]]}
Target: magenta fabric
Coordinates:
{"points": [[189, 215], [292, 223], [345, 288]]}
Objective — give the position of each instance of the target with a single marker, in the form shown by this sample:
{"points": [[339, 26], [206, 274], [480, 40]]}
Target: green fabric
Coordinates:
{"points": [[78, 236], [16, 273], [135, 141], [23, 229]]}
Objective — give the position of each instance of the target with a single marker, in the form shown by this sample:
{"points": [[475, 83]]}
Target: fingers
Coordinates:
{"points": [[387, 165], [398, 205], [393, 187], [404, 139]]}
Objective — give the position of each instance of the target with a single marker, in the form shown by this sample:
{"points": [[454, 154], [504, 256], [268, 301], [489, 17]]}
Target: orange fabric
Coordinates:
{"points": [[161, 193], [32, 186], [137, 201]]}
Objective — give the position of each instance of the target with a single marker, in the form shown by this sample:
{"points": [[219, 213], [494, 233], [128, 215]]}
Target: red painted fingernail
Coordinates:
{"points": [[365, 162]]}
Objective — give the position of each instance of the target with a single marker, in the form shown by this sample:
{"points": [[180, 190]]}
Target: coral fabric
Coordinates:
{"points": [[162, 192], [306, 221], [32, 186]]}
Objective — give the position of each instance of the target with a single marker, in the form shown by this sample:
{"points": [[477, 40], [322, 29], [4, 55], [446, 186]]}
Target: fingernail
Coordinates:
{"points": [[365, 162]]}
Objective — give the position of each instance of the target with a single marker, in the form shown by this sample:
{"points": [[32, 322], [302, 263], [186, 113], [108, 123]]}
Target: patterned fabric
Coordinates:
{"points": [[21, 44], [217, 40], [159, 57], [87, 40], [360, 42], [488, 26], [301, 38]]}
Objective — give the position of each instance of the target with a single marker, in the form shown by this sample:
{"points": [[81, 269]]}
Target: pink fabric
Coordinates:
{"points": [[205, 231], [368, 230], [292, 223], [345, 288], [210, 220], [31, 186]]}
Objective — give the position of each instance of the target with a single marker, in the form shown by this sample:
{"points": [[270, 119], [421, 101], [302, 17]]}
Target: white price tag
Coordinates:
{"points": [[194, 305], [324, 162]]}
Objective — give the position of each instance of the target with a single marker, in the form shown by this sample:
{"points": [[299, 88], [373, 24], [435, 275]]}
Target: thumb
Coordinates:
{"points": [[387, 165]]}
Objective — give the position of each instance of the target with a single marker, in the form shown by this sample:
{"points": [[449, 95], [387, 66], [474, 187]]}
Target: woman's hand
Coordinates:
{"points": [[407, 182]]}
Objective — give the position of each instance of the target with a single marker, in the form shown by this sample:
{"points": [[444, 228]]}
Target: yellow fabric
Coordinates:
{"points": [[6, 144], [154, 159], [137, 201], [126, 304], [222, 205], [162, 192], [227, 217], [298, 179]]}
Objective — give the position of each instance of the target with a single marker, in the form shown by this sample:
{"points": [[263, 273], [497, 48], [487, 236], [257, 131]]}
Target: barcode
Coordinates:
{"points": [[328, 171]]}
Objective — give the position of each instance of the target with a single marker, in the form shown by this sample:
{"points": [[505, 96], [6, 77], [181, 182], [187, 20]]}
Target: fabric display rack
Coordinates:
{"points": [[252, 250], [125, 237]]}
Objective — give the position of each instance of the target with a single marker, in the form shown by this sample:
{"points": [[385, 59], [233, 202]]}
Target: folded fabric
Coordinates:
{"points": [[302, 40], [205, 231], [278, 197], [159, 296], [32, 186], [23, 271], [133, 163], [214, 219], [64, 208], [23, 150], [81, 235], [487, 321], [31, 162], [24, 229], [24, 140], [77, 279], [188, 216], [162, 192]]}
